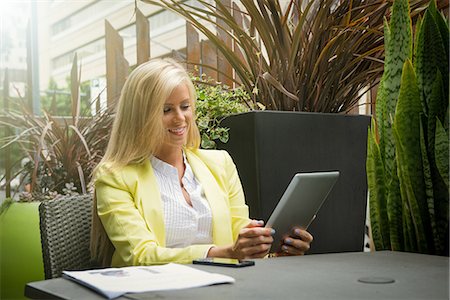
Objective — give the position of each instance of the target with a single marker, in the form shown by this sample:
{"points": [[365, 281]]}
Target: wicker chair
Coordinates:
{"points": [[65, 226]]}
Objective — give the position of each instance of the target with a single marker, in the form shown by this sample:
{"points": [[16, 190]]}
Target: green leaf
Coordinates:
{"points": [[416, 233], [398, 48], [435, 240], [409, 235], [381, 124], [224, 137], [441, 152], [207, 143], [377, 193], [407, 123], [394, 209], [442, 24], [437, 108], [430, 57]]}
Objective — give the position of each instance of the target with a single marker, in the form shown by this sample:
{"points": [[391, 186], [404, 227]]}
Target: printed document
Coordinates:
{"points": [[115, 282]]}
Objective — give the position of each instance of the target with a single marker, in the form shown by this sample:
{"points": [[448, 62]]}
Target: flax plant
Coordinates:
{"points": [[316, 56], [62, 151]]}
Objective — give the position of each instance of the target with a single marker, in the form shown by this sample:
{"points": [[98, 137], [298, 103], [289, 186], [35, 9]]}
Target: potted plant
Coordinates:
{"points": [[407, 158], [214, 102], [61, 153]]}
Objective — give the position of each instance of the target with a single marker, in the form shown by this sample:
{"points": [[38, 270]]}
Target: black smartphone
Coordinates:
{"points": [[224, 262]]}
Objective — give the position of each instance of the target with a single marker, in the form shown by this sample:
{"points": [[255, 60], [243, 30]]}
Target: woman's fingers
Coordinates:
{"points": [[297, 243], [255, 223], [294, 246], [302, 234], [252, 238], [253, 242], [251, 232]]}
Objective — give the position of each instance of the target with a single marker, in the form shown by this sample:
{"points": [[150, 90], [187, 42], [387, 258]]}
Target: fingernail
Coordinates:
{"points": [[272, 231], [284, 248], [288, 241], [260, 222], [297, 232]]}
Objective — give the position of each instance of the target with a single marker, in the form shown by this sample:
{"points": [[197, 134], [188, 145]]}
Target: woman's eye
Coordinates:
{"points": [[185, 106], [166, 109]]}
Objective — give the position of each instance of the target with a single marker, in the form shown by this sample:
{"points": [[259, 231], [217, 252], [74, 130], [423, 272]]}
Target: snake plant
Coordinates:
{"points": [[408, 144]]}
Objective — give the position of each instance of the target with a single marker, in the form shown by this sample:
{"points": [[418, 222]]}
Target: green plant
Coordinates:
{"points": [[62, 151], [307, 56], [55, 99], [407, 160], [214, 103], [6, 203]]}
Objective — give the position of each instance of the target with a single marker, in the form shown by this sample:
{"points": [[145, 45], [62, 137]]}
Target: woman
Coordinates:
{"points": [[159, 197]]}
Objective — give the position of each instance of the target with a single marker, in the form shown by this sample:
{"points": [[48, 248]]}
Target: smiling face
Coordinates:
{"points": [[177, 117]]}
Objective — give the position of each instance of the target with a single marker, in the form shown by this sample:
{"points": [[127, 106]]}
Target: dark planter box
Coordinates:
{"points": [[269, 147]]}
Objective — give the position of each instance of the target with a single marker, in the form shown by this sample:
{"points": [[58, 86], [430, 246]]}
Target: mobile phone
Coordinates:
{"points": [[224, 262]]}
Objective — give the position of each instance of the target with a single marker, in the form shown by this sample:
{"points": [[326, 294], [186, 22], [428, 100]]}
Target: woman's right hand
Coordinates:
{"points": [[254, 241]]}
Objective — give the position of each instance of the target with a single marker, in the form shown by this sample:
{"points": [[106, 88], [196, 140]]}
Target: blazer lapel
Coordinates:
{"points": [[150, 200], [217, 200]]}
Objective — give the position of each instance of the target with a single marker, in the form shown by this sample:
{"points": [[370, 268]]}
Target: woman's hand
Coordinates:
{"points": [[297, 243], [254, 241]]}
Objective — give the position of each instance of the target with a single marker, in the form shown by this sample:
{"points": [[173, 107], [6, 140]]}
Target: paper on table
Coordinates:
{"points": [[114, 282]]}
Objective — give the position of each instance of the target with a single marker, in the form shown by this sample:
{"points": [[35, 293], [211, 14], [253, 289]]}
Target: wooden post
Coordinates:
{"points": [[29, 87], [116, 64], [225, 73], [192, 49], [75, 90], [7, 150], [34, 59], [237, 15], [209, 58], [142, 38]]}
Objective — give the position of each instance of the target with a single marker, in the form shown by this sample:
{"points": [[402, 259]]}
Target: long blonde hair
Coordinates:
{"points": [[137, 129]]}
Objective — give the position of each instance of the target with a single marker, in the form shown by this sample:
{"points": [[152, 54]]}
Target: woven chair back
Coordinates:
{"points": [[65, 225]]}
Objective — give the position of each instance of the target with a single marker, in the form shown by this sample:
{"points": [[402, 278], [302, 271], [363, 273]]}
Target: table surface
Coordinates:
{"points": [[320, 276]]}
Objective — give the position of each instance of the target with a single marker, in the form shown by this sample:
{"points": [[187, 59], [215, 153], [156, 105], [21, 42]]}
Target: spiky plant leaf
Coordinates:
{"points": [[397, 51], [428, 180], [407, 122], [408, 231], [428, 57], [442, 24], [441, 152], [377, 195], [437, 108], [394, 210], [415, 232], [381, 104]]}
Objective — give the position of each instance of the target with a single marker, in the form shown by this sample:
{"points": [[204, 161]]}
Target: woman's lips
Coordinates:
{"points": [[178, 131]]}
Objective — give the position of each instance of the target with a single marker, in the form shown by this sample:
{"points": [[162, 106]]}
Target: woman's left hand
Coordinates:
{"points": [[297, 243]]}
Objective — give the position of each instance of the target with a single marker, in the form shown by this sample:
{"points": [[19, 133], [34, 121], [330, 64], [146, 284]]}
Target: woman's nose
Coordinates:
{"points": [[179, 114]]}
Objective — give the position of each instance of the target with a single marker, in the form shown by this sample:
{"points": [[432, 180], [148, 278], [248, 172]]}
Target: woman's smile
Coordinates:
{"points": [[178, 131]]}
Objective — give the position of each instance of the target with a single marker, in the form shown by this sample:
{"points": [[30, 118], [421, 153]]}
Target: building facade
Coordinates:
{"points": [[67, 27]]}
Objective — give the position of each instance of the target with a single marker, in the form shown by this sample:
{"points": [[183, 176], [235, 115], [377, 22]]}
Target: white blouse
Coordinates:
{"points": [[184, 225]]}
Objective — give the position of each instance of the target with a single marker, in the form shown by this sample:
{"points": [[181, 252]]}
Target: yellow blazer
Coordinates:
{"points": [[130, 208]]}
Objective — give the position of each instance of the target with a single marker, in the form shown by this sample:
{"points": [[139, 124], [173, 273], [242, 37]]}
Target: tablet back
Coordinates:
{"points": [[300, 203]]}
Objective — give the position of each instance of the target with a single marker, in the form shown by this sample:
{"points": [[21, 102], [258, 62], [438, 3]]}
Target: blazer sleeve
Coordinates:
{"points": [[135, 243], [238, 209]]}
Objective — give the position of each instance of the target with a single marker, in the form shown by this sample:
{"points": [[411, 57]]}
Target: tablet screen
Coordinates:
{"points": [[300, 203]]}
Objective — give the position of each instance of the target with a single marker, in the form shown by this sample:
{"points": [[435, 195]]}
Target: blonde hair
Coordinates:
{"points": [[137, 130]]}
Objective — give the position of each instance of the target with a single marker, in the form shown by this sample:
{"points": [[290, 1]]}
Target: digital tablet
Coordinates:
{"points": [[300, 203]]}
